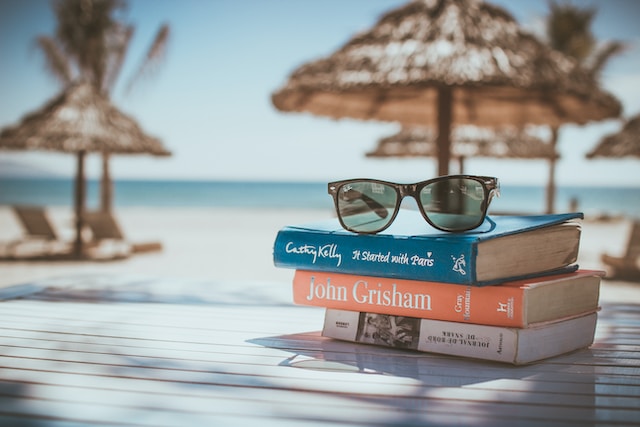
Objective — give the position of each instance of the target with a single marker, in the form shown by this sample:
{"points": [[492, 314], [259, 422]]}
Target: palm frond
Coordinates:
{"points": [[118, 48], [602, 56], [153, 58], [55, 60]]}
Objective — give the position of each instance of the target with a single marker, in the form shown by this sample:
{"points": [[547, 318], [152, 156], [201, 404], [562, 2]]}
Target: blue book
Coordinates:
{"points": [[506, 247]]}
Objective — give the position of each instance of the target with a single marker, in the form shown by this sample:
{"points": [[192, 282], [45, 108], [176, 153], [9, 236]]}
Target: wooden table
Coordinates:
{"points": [[147, 352]]}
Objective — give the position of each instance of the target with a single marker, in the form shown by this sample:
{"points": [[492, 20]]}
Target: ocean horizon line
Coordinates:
{"points": [[594, 201], [158, 180]]}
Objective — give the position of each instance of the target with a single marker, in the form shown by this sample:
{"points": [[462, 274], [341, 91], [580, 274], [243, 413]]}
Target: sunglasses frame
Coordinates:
{"points": [[490, 185]]}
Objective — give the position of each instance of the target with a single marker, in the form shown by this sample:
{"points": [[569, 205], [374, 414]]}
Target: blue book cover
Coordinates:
{"points": [[505, 247]]}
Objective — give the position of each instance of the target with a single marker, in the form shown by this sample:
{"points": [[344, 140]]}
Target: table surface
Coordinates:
{"points": [[135, 351]]}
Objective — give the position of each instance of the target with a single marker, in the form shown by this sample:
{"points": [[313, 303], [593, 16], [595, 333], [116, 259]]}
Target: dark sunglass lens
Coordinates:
{"points": [[366, 207], [454, 204]]}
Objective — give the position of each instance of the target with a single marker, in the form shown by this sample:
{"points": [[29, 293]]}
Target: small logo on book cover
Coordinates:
{"points": [[506, 307], [459, 264]]}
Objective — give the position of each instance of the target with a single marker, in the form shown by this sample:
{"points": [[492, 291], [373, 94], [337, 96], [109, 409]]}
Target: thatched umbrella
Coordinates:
{"points": [[470, 141], [439, 62], [466, 141], [80, 121], [625, 143]]}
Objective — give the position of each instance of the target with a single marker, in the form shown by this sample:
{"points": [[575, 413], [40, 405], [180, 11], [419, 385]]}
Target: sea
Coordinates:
{"points": [[593, 201]]}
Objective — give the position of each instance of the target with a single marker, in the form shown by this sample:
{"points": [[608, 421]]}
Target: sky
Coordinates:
{"points": [[210, 100]]}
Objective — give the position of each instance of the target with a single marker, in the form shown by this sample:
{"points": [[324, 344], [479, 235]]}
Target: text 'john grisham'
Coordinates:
{"points": [[362, 293]]}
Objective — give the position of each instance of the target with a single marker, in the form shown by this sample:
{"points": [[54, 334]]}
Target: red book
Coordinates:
{"points": [[515, 304]]}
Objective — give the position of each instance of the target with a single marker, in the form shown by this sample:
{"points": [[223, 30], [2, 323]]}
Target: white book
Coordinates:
{"points": [[501, 344]]}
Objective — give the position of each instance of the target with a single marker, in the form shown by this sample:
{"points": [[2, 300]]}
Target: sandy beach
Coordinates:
{"points": [[235, 245]]}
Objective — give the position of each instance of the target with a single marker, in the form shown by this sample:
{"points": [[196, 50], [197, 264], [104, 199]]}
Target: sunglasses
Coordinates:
{"points": [[449, 203]]}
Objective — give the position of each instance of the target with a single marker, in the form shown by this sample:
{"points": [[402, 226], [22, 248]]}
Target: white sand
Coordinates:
{"points": [[201, 243], [234, 244]]}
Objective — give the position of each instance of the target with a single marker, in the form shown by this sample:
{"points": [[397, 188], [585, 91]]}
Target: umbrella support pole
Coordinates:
{"points": [[80, 191], [445, 113], [461, 165], [551, 184], [106, 185]]}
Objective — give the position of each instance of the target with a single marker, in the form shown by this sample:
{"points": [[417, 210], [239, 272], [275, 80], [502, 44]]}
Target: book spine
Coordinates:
{"points": [[489, 305], [436, 260], [493, 343]]}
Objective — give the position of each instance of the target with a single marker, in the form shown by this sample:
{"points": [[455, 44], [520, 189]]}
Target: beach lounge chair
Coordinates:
{"points": [[39, 236], [105, 231], [628, 265]]}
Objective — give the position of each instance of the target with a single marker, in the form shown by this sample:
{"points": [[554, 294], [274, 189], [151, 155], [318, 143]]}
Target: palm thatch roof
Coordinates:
{"points": [[80, 119], [625, 143], [467, 141], [394, 71]]}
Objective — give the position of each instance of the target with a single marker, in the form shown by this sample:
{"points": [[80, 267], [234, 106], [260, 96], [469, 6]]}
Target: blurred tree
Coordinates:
{"points": [[568, 30], [90, 44]]}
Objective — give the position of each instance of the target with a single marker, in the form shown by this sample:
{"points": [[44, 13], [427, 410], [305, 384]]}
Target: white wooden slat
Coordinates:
{"points": [[418, 367], [179, 399], [423, 408], [14, 345], [349, 347], [345, 346], [210, 373], [41, 412]]}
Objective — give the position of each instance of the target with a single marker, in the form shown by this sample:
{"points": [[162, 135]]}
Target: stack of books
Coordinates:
{"points": [[508, 291]]}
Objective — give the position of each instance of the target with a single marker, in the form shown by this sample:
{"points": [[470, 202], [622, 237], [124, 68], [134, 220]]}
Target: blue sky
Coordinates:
{"points": [[210, 100]]}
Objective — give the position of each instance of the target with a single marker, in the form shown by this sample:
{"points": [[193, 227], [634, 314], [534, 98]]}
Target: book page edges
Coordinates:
{"points": [[553, 339], [546, 249], [561, 298]]}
